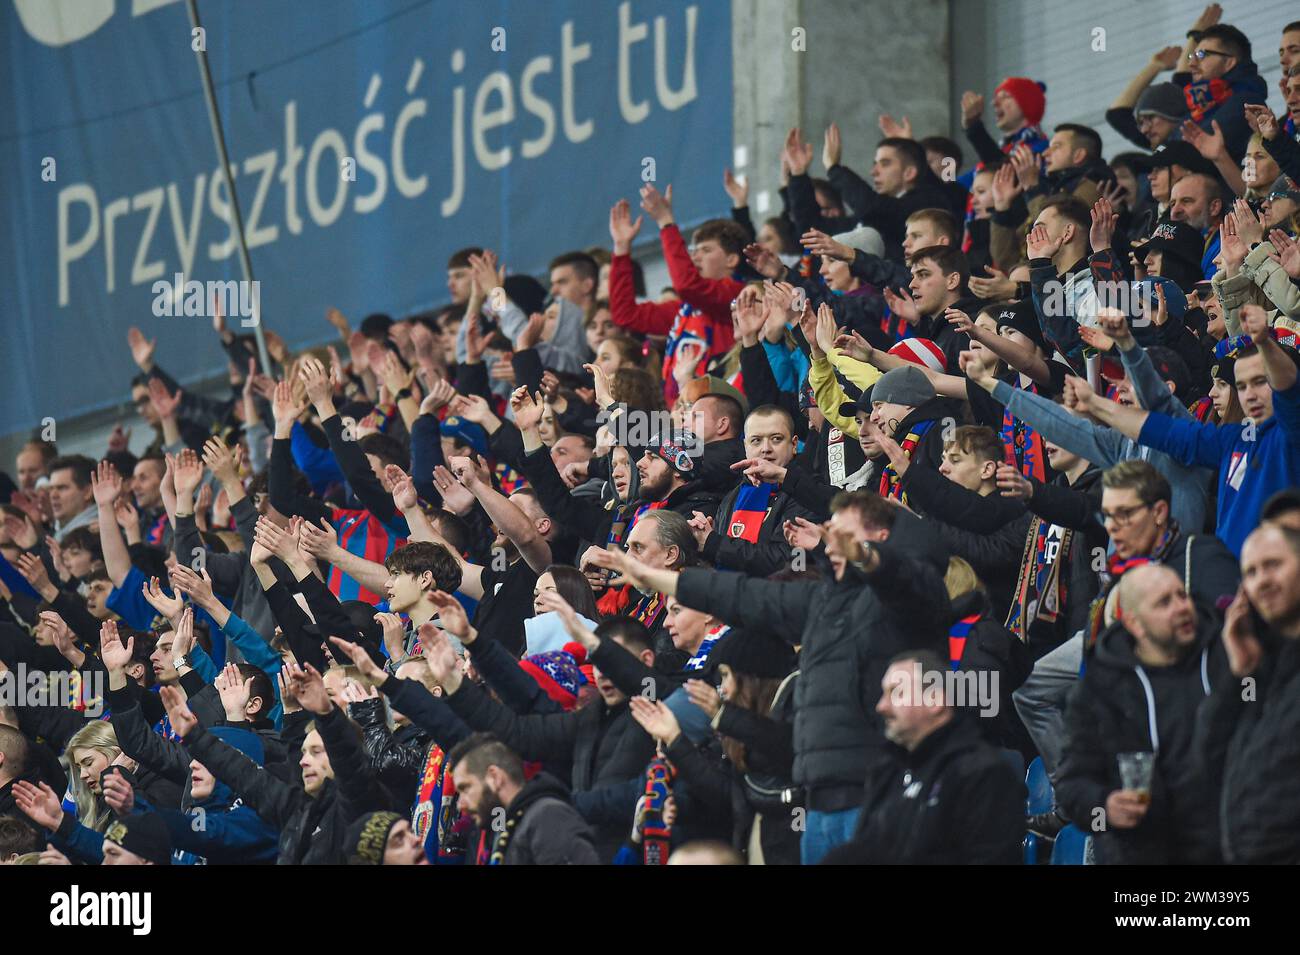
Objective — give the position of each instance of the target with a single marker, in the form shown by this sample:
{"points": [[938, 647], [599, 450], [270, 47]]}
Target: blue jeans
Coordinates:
{"points": [[825, 831]]}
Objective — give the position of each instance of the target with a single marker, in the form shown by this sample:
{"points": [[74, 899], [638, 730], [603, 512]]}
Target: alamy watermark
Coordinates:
{"points": [[974, 689], [194, 299], [23, 687]]}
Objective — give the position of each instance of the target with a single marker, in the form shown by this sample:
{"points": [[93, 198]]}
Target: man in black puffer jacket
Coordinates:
{"points": [[1141, 692], [338, 783], [887, 597], [945, 796]]}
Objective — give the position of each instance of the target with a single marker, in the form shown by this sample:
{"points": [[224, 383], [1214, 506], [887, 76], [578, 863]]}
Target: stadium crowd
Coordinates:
{"points": [[978, 458]]}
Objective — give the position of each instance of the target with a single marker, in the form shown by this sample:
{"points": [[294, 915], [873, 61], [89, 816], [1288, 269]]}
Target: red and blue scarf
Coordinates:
{"points": [[1205, 97], [1024, 443], [957, 635], [890, 483], [656, 833], [747, 516]]}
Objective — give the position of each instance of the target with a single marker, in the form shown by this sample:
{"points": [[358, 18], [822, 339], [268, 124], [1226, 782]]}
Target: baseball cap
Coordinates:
{"points": [[1180, 240], [1177, 153]]}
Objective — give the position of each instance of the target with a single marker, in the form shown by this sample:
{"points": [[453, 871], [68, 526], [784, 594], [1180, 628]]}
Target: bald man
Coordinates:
{"points": [[1144, 684], [1249, 731]]}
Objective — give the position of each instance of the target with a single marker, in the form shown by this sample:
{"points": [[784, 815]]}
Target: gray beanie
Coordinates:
{"points": [[907, 385], [863, 237], [1162, 99]]}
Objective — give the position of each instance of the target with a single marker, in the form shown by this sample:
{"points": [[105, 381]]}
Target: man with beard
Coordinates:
{"points": [[532, 822]]}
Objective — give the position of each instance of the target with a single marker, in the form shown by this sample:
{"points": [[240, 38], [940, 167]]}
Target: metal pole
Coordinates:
{"points": [[219, 137]]}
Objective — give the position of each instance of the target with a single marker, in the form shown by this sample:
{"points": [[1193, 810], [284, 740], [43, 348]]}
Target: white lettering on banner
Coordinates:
{"points": [[380, 152]]}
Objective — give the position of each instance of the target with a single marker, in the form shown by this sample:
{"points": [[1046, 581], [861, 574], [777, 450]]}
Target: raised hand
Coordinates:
{"points": [[318, 540], [183, 642], [532, 332], [527, 409], [1231, 244], [1114, 323], [895, 129], [819, 243], [309, 690], [288, 702], [1026, 165], [687, 360], [164, 402], [1254, 322], [221, 461], [1104, 221], [1209, 145], [1041, 245], [656, 719], [285, 408], [760, 471], [405, 497], [1262, 120], [1011, 483], [178, 711], [604, 394], [1096, 338], [701, 527], [187, 474], [737, 188], [33, 570], [960, 321], [903, 306], [704, 696], [622, 229], [234, 692], [1005, 187], [473, 408], [1249, 227], [59, 632], [39, 803], [453, 618], [832, 147], [141, 348], [118, 793], [763, 260], [972, 107], [316, 380], [471, 472], [362, 661], [1167, 57], [1078, 394], [1239, 637], [458, 498], [802, 533], [444, 665], [106, 484], [168, 607], [114, 654], [441, 392], [657, 205], [279, 541], [1287, 252], [197, 586], [798, 154], [628, 568]]}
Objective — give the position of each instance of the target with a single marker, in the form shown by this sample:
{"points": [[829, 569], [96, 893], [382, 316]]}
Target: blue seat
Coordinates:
{"points": [[1039, 799], [1071, 844]]}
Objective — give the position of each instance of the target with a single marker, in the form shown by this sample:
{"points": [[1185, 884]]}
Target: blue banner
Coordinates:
{"points": [[369, 141]]}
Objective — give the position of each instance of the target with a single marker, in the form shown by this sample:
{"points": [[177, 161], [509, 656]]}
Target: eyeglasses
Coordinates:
{"points": [[1123, 516], [1202, 54]]}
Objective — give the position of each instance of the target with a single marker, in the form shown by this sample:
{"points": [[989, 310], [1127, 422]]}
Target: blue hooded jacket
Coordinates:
{"points": [[221, 828]]}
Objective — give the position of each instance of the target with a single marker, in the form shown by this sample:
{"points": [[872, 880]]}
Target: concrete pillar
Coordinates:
{"points": [[811, 62]]}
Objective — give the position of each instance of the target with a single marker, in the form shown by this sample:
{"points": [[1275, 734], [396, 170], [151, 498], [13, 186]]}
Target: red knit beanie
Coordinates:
{"points": [[1030, 96]]}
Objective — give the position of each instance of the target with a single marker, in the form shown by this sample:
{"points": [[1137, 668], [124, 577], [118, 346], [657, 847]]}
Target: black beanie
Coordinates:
{"points": [[755, 653], [143, 833], [367, 838]]}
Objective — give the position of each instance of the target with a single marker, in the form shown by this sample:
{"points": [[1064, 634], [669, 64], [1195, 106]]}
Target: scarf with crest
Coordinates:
{"points": [[890, 483]]}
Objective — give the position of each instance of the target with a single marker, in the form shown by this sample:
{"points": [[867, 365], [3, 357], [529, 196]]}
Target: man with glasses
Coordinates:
{"points": [[1219, 78]]}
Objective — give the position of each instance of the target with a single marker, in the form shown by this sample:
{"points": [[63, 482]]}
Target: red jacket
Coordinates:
{"points": [[703, 310]]}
